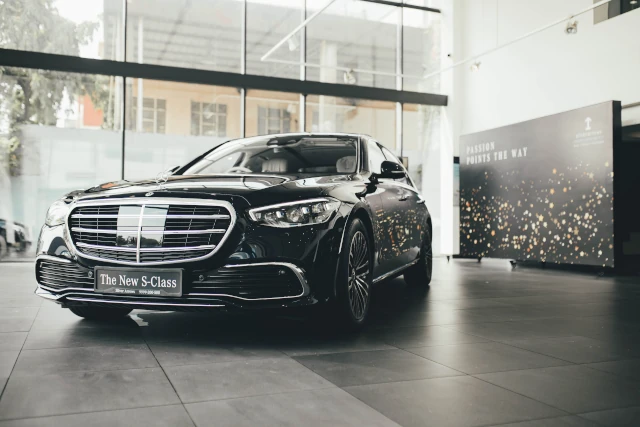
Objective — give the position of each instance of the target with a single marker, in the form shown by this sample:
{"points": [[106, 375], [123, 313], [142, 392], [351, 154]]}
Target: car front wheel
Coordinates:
{"points": [[355, 276]]}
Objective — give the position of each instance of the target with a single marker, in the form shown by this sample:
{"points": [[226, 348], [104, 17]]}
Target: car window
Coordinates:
{"points": [[375, 156], [222, 164], [285, 154]]}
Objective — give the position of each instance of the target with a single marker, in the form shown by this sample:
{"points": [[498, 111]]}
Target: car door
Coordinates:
{"points": [[386, 214], [409, 230]]}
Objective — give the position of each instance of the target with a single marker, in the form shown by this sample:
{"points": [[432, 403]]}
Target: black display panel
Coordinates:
{"points": [[540, 190]]}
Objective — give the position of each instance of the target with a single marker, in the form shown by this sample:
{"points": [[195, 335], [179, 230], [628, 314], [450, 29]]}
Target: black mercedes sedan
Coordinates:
{"points": [[277, 221]]}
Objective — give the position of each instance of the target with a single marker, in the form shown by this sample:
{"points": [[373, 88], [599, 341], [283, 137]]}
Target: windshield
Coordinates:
{"points": [[293, 154]]}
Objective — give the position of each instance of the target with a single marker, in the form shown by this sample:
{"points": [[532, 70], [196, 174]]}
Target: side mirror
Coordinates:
{"points": [[391, 170]]}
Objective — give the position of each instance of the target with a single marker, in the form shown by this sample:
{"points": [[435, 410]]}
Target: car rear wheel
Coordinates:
{"points": [[420, 273], [100, 313], [354, 276]]}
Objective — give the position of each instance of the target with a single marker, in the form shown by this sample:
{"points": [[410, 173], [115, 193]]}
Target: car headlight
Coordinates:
{"points": [[295, 214], [57, 213]]}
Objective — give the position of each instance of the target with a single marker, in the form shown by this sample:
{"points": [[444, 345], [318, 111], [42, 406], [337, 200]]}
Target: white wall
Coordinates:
{"points": [[545, 74]]}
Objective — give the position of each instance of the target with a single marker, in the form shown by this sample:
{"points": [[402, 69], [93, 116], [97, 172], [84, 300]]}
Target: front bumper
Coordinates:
{"points": [[245, 285], [258, 267]]}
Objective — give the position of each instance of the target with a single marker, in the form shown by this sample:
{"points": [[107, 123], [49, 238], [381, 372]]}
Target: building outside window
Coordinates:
{"points": [[273, 120], [154, 115], [208, 119]]}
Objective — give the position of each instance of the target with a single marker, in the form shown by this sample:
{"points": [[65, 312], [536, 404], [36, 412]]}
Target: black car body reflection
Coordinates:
{"points": [[274, 221]]}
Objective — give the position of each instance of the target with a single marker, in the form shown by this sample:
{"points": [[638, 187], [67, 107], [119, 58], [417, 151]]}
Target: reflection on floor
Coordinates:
{"points": [[485, 345]]}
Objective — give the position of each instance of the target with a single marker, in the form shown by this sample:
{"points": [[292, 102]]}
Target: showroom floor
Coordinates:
{"points": [[484, 346]]}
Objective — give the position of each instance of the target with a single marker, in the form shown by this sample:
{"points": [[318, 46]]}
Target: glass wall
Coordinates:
{"points": [[272, 112], [350, 40], [185, 33], [331, 114], [421, 54], [93, 30], [58, 133], [268, 22], [178, 120]]}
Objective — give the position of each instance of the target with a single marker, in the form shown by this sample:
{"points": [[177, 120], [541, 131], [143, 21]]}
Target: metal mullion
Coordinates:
{"points": [[124, 85], [303, 68], [399, 80]]}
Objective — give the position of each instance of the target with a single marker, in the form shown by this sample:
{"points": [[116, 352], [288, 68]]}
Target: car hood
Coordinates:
{"points": [[254, 189]]}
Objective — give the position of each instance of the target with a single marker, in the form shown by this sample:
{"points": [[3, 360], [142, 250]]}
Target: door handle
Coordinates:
{"points": [[404, 197]]}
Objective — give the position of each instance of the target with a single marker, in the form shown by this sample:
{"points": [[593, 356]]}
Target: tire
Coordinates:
{"points": [[419, 275], [100, 313], [355, 273]]}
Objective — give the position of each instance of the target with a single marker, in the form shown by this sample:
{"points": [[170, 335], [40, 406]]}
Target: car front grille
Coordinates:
{"points": [[153, 231], [251, 281], [59, 275]]}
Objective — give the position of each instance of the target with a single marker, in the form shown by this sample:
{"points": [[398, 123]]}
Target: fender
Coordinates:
{"points": [[361, 205]]}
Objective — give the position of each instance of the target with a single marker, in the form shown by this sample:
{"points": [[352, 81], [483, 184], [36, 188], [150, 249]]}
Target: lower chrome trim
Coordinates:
{"points": [[164, 304], [52, 258], [57, 290], [396, 271]]}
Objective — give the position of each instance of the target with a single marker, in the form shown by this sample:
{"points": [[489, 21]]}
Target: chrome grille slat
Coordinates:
{"points": [[134, 250], [85, 216], [98, 231], [150, 231]]}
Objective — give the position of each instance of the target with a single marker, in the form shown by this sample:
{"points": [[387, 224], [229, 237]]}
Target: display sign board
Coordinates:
{"points": [[540, 190]]}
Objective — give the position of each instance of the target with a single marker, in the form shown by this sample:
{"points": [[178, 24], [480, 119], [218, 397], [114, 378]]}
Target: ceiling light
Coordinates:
{"points": [[572, 27], [349, 77], [293, 43], [634, 2]]}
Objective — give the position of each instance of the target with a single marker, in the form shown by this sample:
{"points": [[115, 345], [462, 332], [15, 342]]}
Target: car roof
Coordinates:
{"points": [[313, 134]]}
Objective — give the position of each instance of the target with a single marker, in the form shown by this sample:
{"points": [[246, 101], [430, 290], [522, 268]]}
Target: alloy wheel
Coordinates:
{"points": [[358, 286]]}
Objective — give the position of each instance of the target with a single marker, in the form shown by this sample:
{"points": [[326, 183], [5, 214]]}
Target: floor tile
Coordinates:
{"points": [[486, 357], [60, 360], [327, 407], [56, 394], [568, 421], [13, 312], [574, 389], [12, 340], [453, 401], [506, 331], [158, 416], [575, 349], [7, 361], [623, 417], [189, 353], [629, 369], [83, 337], [328, 344], [426, 336], [226, 380], [21, 301], [53, 317], [370, 367], [16, 324]]}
